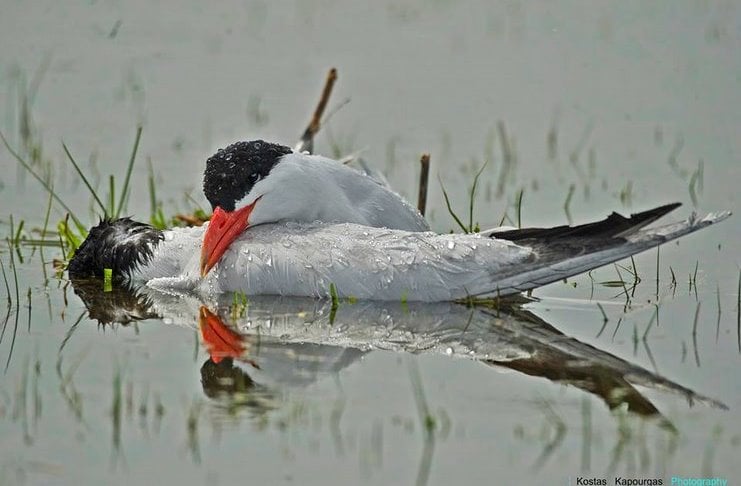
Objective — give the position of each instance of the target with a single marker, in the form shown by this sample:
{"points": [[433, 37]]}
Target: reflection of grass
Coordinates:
{"points": [[709, 455], [116, 413], [693, 279], [20, 408], [427, 421], [629, 449], [555, 422], [17, 308], [239, 306], [631, 446], [191, 425], [694, 333], [335, 302], [69, 393], [586, 412]]}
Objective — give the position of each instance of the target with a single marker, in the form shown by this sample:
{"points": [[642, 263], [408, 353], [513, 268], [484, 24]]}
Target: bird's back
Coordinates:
{"points": [[322, 189]]}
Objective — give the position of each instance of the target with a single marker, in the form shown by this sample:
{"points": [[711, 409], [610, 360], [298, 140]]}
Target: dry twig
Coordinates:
{"points": [[424, 175], [306, 144]]}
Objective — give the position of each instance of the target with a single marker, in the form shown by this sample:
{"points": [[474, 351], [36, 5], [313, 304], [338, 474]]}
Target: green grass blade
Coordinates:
{"points": [[450, 209], [41, 181], [12, 231], [7, 287], [152, 189], [519, 207], [112, 196], [125, 191], [107, 280], [473, 197], [84, 179], [17, 236], [46, 218]]}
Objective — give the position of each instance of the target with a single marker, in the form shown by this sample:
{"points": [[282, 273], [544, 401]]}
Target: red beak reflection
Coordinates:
{"points": [[221, 341]]}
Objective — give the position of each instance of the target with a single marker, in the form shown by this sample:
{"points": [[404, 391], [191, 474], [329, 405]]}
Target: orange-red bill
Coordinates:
{"points": [[221, 341], [223, 229]]}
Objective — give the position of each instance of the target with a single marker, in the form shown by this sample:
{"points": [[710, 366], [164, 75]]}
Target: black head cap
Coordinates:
{"points": [[224, 378], [121, 245], [231, 172]]}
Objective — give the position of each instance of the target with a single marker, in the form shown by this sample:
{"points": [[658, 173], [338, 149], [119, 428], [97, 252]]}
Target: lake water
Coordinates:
{"points": [[603, 106]]}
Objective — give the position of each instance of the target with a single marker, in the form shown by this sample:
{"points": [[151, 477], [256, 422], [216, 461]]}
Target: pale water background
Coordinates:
{"points": [[632, 104]]}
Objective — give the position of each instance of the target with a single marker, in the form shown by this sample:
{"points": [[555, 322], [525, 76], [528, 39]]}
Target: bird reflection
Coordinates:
{"points": [[275, 342]]}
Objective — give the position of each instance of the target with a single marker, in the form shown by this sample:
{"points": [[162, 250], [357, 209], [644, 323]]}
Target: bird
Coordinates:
{"points": [[257, 182], [348, 260]]}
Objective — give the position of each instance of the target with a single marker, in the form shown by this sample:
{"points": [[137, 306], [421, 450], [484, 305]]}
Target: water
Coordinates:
{"points": [[614, 106]]}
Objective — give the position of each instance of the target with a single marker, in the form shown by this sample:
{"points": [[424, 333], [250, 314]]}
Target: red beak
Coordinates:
{"points": [[223, 229], [220, 340]]}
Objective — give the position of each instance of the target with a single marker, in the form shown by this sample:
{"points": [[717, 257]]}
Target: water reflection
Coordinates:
{"points": [[258, 345]]}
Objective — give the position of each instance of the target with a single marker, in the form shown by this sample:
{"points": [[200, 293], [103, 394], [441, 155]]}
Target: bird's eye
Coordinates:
{"points": [[254, 178]]}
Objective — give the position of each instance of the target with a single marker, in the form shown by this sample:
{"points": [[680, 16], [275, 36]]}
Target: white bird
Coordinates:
{"points": [[351, 260], [252, 183]]}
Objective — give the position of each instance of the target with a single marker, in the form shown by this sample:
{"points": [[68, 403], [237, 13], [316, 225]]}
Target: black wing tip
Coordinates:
{"points": [[614, 226], [656, 212]]}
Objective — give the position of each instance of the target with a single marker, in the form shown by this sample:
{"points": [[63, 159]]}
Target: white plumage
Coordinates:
{"points": [[381, 264]]}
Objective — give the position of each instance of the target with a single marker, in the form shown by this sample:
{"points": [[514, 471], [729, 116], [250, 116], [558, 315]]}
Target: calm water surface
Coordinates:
{"points": [[603, 106]]}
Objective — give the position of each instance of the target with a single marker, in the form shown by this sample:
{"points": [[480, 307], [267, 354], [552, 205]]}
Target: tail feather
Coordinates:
{"points": [[565, 255]]}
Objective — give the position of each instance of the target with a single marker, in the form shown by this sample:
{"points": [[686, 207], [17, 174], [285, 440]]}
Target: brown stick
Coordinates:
{"points": [[424, 175], [306, 144]]}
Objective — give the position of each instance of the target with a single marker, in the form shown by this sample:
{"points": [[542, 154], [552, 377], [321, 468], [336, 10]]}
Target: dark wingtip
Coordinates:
{"points": [[657, 212], [614, 226]]}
